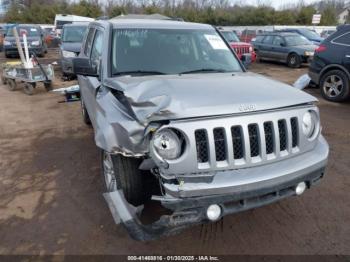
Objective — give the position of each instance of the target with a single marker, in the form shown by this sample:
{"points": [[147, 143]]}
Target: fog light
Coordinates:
{"points": [[213, 212], [300, 188]]}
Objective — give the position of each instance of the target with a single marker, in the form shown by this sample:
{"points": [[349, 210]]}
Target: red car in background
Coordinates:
{"points": [[239, 47]]}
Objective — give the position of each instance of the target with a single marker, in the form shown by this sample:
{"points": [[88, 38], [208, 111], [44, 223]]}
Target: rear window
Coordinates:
{"points": [[259, 38], [343, 39]]}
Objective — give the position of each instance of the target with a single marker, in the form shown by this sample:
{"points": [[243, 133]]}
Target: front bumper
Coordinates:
{"points": [[189, 203], [14, 50]]}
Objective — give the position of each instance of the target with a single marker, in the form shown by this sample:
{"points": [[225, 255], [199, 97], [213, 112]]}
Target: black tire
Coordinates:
{"points": [[48, 86], [11, 84], [127, 176], [258, 58], [7, 55], [29, 88], [335, 86], [294, 60], [85, 113], [3, 80]]}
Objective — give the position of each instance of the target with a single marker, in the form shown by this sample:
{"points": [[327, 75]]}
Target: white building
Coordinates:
{"points": [[343, 16]]}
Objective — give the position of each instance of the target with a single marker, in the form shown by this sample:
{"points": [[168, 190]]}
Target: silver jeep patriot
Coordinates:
{"points": [[180, 122]]}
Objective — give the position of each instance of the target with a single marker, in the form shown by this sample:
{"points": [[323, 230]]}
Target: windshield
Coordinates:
{"points": [[73, 33], [309, 34], [28, 30], [294, 40], [170, 51], [230, 36]]}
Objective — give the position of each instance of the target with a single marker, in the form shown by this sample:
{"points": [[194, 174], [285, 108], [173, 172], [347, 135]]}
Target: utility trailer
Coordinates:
{"points": [[14, 73]]}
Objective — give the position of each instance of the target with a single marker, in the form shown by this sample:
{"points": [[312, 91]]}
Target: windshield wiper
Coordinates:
{"points": [[140, 72], [205, 70]]}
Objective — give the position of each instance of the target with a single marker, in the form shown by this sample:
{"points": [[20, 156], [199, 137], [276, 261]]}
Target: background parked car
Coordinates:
{"points": [[290, 48], [35, 38], [330, 68], [327, 33], [247, 35], [239, 47], [71, 40], [312, 36]]}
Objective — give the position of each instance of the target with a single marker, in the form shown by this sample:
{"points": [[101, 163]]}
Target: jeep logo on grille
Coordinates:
{"points": [[247, 107]]}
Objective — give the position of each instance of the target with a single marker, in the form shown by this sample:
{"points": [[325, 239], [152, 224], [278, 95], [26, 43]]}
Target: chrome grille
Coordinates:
{"points": [[263, 139], [241, 50]]}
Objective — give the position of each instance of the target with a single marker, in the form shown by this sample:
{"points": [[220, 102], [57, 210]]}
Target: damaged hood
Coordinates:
{"points": [[197, 95]]}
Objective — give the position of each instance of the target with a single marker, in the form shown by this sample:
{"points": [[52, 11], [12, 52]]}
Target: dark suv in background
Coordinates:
{"points": [[330, 68], [35, 38]]}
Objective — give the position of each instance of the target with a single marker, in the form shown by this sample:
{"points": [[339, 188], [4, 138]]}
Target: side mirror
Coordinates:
{"points": [[282, 44], [83, 66], [246, 60]]}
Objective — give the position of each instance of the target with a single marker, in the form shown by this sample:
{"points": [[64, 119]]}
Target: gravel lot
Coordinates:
{"points": [[51, 190]]}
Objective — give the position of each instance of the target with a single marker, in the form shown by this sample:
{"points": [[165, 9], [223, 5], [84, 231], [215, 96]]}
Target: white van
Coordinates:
{"points": [[61, 20]]}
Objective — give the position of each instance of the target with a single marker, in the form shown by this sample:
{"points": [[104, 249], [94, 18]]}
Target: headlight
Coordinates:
{"points": [[250, 49], [35, 43], [168, 144], [7, 43], [68, 54], [309, 53], [310, 124]]}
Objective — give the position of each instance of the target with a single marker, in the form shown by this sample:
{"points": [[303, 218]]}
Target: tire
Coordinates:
{"points": [[84, 113], [29, 88], [11, 84], [294, 60], [123, 173], [48, 86], [335, 86], [3, 80], [7, 55]]}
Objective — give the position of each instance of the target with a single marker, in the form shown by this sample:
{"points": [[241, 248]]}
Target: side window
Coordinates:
{"points": [[278, 41], [343, 39], [96, 50], [88, 42], [268, 39], [259, 38]]}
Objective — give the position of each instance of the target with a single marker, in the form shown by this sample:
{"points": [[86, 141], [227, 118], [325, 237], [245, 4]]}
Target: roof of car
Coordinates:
{"points": [[157, 24], [77, 24], [343, 27], [280, 33], [28, 25]]}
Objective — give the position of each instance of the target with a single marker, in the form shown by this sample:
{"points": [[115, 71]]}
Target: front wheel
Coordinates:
{"points": [[294, 60], [123, 173], [29, 88], [11, 83], [335, 86]]}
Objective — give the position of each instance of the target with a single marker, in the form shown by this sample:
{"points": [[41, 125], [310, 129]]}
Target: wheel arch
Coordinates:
{"points": [[331, 67]]}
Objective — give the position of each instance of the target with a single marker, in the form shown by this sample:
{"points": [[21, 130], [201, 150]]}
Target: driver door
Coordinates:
{"points": [[88, 84]]}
